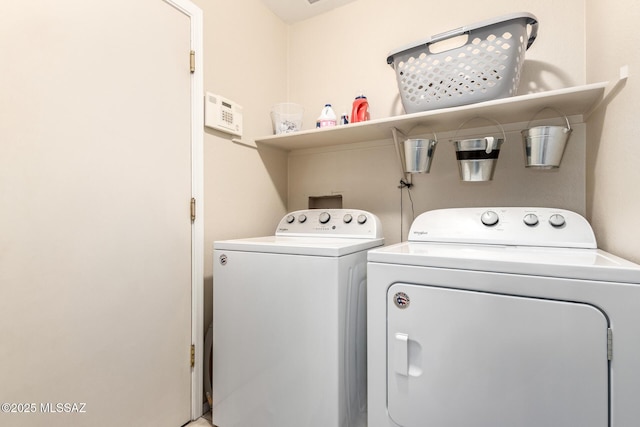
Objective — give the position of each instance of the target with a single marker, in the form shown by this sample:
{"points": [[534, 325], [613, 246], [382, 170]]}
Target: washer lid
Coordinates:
{"points": [[573, 263], [314, 246]]}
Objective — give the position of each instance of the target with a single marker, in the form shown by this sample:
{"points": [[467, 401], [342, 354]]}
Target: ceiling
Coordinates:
{"points": [[292, 11]]}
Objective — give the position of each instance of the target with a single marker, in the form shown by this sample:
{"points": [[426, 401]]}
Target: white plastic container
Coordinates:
{"points": [[327, 117], [286, 117]]}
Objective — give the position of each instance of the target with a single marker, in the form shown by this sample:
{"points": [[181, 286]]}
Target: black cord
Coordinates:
{"points": [[407, 185]]}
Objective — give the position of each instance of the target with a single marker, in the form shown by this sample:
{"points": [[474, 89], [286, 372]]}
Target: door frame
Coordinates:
{"points": [[197, 192]]}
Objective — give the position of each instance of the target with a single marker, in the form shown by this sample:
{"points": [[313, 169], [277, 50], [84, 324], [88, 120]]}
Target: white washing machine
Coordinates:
{"points": [[289, 322], [501, 317]]}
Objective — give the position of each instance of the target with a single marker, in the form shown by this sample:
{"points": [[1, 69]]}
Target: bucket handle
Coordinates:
{"points": [[428, 129], [490, 146], [552, 109]]}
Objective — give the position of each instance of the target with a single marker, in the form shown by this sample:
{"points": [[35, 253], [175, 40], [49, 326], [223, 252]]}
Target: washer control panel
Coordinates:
{"points": [[350, 223], [546, 227]]}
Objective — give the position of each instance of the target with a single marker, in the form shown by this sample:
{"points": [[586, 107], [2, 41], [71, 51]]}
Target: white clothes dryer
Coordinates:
{"points": [[495, 317], [289, 322]]}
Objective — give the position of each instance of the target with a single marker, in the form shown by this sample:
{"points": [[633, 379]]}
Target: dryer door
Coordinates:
{"points": [[461, 358]]}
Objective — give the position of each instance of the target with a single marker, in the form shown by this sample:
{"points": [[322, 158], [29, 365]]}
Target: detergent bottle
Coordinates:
{"points": [[360, 111], [327, 117]]}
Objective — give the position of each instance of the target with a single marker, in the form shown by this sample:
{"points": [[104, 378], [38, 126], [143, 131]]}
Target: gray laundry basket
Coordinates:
{"points": [[487, 66]]}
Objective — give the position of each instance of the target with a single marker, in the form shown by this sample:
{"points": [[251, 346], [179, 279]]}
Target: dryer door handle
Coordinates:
{"points": [[401, 354]]}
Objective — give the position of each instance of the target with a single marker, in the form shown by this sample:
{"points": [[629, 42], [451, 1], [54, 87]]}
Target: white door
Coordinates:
{"points": [[95, 230], [461, 358]]}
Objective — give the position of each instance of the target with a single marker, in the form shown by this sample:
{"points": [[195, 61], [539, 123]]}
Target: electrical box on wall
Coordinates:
{"points": [[222, 114]]}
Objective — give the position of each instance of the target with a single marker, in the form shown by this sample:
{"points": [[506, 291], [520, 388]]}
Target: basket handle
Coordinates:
{"points": [[466, 30], [552, 109], [534, 31], [448, 34]]}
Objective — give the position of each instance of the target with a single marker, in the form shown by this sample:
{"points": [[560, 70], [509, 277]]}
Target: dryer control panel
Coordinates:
{"points": [[351, 223], [518, 226]]}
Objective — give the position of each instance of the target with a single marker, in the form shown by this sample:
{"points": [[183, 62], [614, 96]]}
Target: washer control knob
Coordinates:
{"points": [[302, 218], [530, 219], [347, 218], [489, 218], [557, 220], [362, 219], [290, 219], [324, 217]]}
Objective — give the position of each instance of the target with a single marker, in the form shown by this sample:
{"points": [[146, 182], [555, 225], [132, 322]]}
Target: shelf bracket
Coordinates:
{"points": [[610, 92], [405, 178], [250, 144]]}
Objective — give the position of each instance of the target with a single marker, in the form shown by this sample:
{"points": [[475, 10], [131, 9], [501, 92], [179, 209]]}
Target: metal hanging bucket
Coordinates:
{"points": [[418, 154], [544, 145], [477, 157]]}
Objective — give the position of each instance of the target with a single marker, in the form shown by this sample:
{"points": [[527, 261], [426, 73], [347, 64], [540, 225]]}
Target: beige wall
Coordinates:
{"points": [[613, 172], [335, 55], [367, 176], [245, 61]]}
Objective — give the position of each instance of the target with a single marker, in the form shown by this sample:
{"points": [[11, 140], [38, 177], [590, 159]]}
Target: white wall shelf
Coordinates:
{"points": [[574, 101]]}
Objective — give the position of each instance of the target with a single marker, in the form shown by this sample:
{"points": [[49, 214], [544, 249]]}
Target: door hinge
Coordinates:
{"points": [[192, 61], [609, 344], [193, 209], [193, 355]]}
